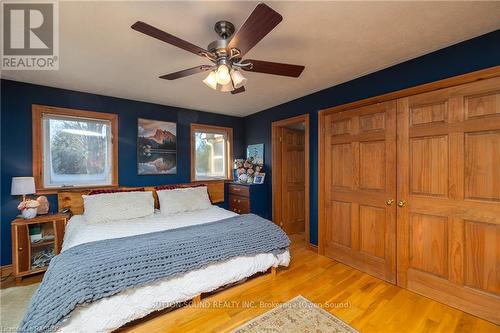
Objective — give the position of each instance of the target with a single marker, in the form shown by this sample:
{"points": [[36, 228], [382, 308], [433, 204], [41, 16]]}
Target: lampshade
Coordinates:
{"points": [[223, 76], [238, 79], [211, 80], [22, 186], [226, 87]]}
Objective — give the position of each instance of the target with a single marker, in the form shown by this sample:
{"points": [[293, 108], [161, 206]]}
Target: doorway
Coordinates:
{"points": [[290, 180]]}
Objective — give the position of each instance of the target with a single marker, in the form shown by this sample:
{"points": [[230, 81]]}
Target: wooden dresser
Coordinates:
{"points": [[24, 250], [247, 198]]}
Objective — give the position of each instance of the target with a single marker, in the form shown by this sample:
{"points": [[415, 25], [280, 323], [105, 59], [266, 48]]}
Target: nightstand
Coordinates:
{"points": [[247, 198], [35, 242]]}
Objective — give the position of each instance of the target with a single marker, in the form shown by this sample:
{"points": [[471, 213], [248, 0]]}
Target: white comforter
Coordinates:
{"points": [[110, 313]]}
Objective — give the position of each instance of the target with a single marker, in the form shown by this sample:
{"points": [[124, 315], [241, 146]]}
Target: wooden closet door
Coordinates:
{"points": [[360, 182], [293, 180], [449, 176]]}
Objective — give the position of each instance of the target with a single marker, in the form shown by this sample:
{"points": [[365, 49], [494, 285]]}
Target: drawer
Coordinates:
{"points": [[240, 205], [242, 190]]}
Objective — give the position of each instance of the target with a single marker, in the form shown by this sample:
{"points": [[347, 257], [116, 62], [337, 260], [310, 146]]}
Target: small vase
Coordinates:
{"points": [[29, 213]]}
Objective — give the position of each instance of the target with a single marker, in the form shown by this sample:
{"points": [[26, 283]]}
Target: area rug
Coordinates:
{"points": [[13, 304], [294, 316]]}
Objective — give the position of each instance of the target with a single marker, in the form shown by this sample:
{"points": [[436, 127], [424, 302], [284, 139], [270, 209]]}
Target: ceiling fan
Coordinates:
{"points": [[227, 53]]}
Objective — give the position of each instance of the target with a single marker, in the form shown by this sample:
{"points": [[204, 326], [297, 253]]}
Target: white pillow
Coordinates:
{"points": [[183, 200], [117, 206]]}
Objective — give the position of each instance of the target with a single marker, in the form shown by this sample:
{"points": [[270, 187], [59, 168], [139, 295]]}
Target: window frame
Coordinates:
{"points": [[228, 131], [37, 140]]}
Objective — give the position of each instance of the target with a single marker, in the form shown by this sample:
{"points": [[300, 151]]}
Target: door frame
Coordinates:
{"points": [[445, 83], [275, 165]]}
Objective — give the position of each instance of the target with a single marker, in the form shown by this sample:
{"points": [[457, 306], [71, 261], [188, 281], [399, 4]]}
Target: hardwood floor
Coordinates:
{"points": [[365, 302]]}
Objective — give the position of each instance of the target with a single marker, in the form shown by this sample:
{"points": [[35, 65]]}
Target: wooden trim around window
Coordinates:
{"points": [[37, 112], [212, 129]]}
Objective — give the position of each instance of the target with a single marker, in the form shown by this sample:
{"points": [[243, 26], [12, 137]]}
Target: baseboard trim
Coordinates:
{"points": [[5, 270], [313, 247]]}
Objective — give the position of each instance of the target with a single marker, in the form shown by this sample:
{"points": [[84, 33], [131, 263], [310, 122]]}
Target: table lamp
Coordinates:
{"points": [[23, 186]]}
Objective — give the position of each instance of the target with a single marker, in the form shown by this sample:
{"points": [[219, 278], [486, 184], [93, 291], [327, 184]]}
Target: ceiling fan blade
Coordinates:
{"points": [[186, 72], [275, 68], [262, 20], [238, 90], [168, 38]]}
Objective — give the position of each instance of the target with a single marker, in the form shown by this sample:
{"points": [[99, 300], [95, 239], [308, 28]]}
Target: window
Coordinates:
{"points": [[73, 148], [211, 154]]}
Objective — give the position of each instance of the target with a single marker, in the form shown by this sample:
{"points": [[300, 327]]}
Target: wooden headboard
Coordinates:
{"points": [[73, 200]]}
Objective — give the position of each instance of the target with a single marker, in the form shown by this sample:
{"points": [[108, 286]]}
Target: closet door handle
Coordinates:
{"points": [[402, 203], [389, 202]]}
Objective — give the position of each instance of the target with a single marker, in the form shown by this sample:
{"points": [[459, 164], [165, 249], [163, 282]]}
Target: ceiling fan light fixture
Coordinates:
{"points": [[227, 53], [211, 80], [223, 76], [238, 79]]}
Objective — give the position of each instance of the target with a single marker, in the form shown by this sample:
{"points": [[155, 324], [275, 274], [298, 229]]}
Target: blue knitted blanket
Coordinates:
{"points": [[91, 271]]}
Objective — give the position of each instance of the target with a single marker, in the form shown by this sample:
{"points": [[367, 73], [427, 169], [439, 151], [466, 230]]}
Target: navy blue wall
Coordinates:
{"points": [[474, 54], [16, 101]]}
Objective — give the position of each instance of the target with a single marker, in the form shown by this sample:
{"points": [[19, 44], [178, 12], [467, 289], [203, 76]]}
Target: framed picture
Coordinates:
{"points": [[156, 147], [256, 152], [259, 178]]}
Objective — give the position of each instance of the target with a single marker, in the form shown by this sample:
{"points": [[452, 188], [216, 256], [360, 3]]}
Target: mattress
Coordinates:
{"points": [[113, 312]]}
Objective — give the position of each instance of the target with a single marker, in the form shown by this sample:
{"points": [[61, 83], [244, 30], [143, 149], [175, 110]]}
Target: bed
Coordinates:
{"points": [[110, 313]]}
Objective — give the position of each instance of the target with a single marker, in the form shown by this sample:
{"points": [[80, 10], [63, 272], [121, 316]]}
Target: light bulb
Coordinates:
{"points": [[238, 79], [211, 80], [223, 76], [226, 87]]}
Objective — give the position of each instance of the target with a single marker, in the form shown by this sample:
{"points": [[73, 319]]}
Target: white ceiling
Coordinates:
{"points": [[336, 41]]}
